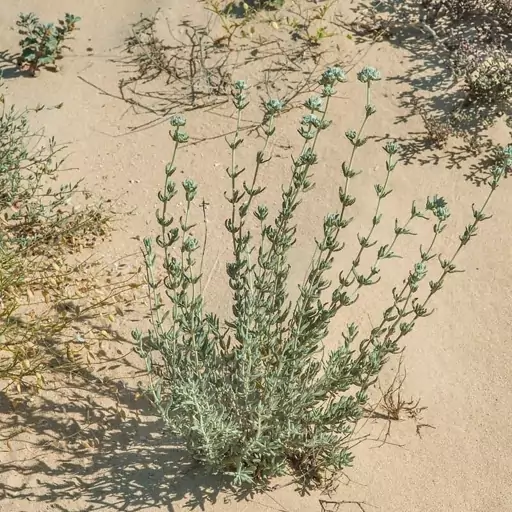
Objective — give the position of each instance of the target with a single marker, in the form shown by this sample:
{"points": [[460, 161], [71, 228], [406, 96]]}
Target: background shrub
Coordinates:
{"points": [[47, 298], [475, 34]]}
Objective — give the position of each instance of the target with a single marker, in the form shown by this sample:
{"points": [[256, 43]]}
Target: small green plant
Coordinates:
{"points": [[43, 43], [258, 394], [244, 6], [502, 157], [229, 23], [267, 4], [235, 17]]}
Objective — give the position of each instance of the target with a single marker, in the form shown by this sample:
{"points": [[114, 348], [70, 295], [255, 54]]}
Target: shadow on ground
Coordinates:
{"points": [[93, 445], [98, 448], [9, 68]]}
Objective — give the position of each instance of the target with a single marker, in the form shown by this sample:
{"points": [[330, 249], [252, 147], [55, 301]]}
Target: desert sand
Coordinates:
{"points": [[89, 443]]}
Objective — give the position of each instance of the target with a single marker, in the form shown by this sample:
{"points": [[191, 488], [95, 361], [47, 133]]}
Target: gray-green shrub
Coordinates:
{"points": [[258, 395]]}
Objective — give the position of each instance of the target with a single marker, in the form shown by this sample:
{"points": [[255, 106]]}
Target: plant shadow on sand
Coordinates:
{"points": [[90, 443], [93, 444], [99, 445], [9, 67], [430, 90]]}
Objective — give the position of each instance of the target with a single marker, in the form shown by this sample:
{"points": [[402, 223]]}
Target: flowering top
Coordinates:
{"points": [[368, 74]]}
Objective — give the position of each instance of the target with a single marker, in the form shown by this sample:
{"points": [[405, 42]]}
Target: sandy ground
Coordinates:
{"points": [[92, 445]]}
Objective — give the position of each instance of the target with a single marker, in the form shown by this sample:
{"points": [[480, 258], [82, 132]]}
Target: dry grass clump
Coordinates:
{"points": [[51, 302]]}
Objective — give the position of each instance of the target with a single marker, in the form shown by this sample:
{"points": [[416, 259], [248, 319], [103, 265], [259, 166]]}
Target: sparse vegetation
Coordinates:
{"points": [[310, 25], [392, 406], [306, 24], [195, 70], [194, 66], [439, 131], [261, 370]]}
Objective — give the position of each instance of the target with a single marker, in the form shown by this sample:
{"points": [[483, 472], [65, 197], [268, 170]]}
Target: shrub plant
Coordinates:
{"points": [[46, 298], [42, 43], [258, 394], [475, 34]]}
